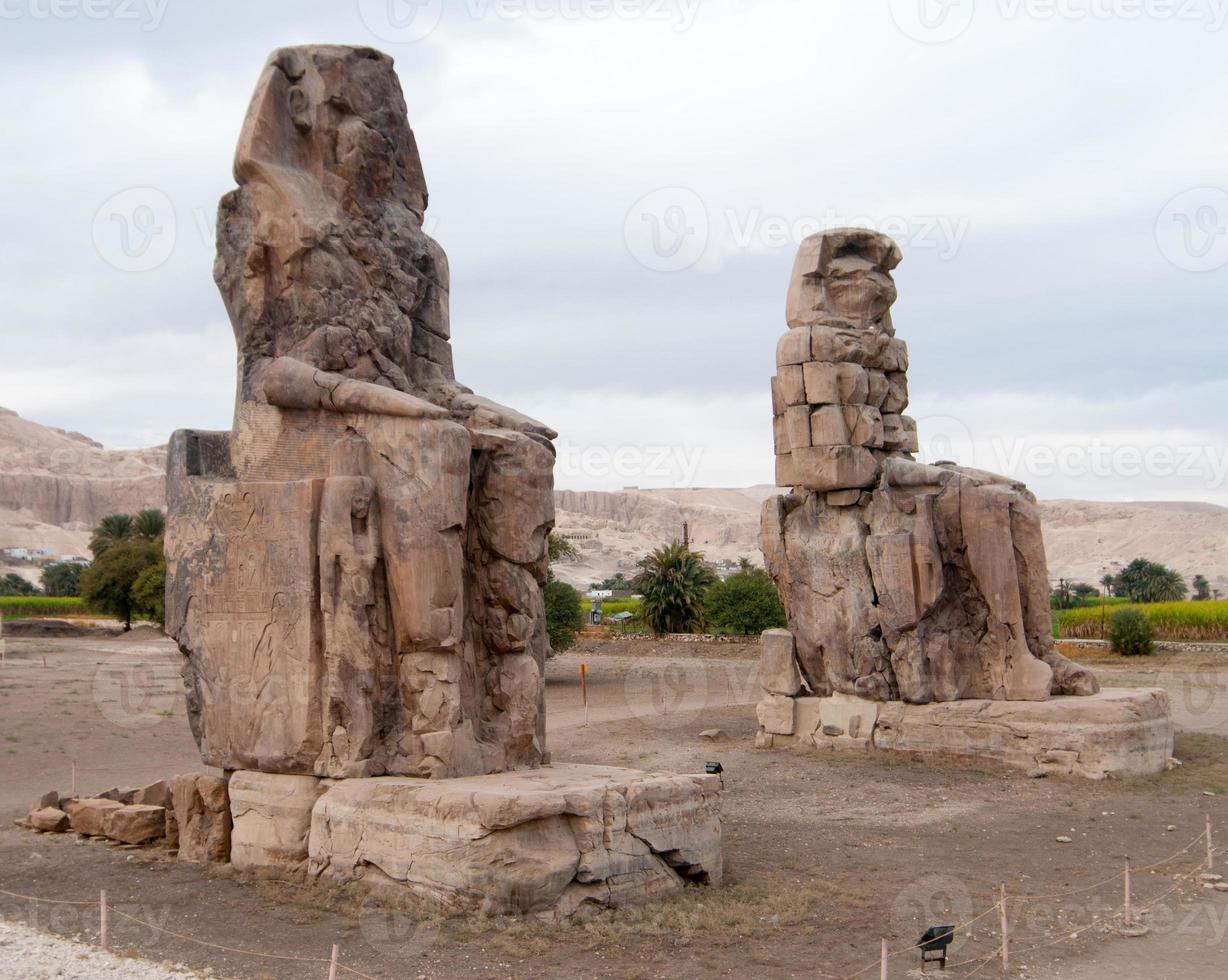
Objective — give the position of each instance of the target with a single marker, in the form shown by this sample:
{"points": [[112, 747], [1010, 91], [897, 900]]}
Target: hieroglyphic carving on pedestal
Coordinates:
{"points": [[241, 575]]}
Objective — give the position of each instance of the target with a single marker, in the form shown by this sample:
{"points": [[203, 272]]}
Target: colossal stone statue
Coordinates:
{"points": [[901, 581], [355, 569]]}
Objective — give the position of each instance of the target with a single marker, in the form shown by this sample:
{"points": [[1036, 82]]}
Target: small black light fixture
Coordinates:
{"points": [[714, 769], [934, 945]]}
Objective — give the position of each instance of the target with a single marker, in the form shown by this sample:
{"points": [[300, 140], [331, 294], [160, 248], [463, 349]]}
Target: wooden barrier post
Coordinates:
{"points": [[1006, 941], [1129, 912], [883, 971], [584, 690], [103, 936], [332, 964]]}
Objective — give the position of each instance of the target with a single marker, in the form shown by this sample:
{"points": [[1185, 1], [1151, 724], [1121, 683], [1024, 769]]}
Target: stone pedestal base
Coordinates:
{"points": [[1116, 733], [557, 840]]}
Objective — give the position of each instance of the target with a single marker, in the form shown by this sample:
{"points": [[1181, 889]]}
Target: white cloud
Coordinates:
{"points": [[1049, 147]]}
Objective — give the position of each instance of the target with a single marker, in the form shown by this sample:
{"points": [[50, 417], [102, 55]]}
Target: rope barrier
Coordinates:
{"points": [[984, 961], [1065, 937], [191, 939], [1108, 881], [46, 901]]}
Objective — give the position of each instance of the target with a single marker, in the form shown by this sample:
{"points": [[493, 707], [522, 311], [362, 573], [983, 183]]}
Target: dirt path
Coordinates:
{"points": [[826, 853]]}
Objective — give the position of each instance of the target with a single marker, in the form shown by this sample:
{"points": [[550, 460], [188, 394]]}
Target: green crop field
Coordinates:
{"points": [[1205, 622], [39, 607], [612, 607]]}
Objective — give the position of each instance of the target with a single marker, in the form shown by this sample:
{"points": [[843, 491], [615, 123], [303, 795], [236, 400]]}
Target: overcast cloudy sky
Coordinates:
{"points": [[621, 186]]}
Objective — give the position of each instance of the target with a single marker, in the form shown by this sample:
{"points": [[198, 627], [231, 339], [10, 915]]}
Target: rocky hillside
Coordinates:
{"points": [[1083, 539], [56, 485]]}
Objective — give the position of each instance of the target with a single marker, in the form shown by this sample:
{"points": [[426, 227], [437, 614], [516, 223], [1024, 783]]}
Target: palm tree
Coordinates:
{"points": [[149, 524], [1149, 581], [673, 581], [112, 528], [1165, 585]]}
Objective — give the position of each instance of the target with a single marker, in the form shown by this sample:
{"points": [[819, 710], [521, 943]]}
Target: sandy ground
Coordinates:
{"points": [[825, 853]]}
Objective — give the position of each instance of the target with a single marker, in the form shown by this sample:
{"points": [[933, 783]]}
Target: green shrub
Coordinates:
{"points": [[62, 579], [109, 583], [745, 604], [1131, 633], [563, 617]]}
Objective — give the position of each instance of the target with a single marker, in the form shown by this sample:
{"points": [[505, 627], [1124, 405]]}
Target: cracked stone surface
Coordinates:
{"points": [[355, 569], [901, 581], [563, 839], [1116, 733]]}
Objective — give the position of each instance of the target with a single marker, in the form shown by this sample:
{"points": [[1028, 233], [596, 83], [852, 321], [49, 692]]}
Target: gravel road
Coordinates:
{"points": [[37, 956]]}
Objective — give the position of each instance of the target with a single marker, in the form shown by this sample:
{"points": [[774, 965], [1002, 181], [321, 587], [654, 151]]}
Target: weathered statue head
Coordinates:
{"points": [[321, 253], [843, 273]]}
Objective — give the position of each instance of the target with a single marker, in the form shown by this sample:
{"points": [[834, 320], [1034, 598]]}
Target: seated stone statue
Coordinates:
{"points": [[901, 581], [355, 569]]}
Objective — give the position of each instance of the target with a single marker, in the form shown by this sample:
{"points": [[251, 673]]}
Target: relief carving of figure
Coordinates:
{"points": [[350, 596]]}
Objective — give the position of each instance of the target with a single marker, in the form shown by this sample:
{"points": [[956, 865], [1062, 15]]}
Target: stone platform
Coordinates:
{"points": [[1116, 733], [557, 840]]}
